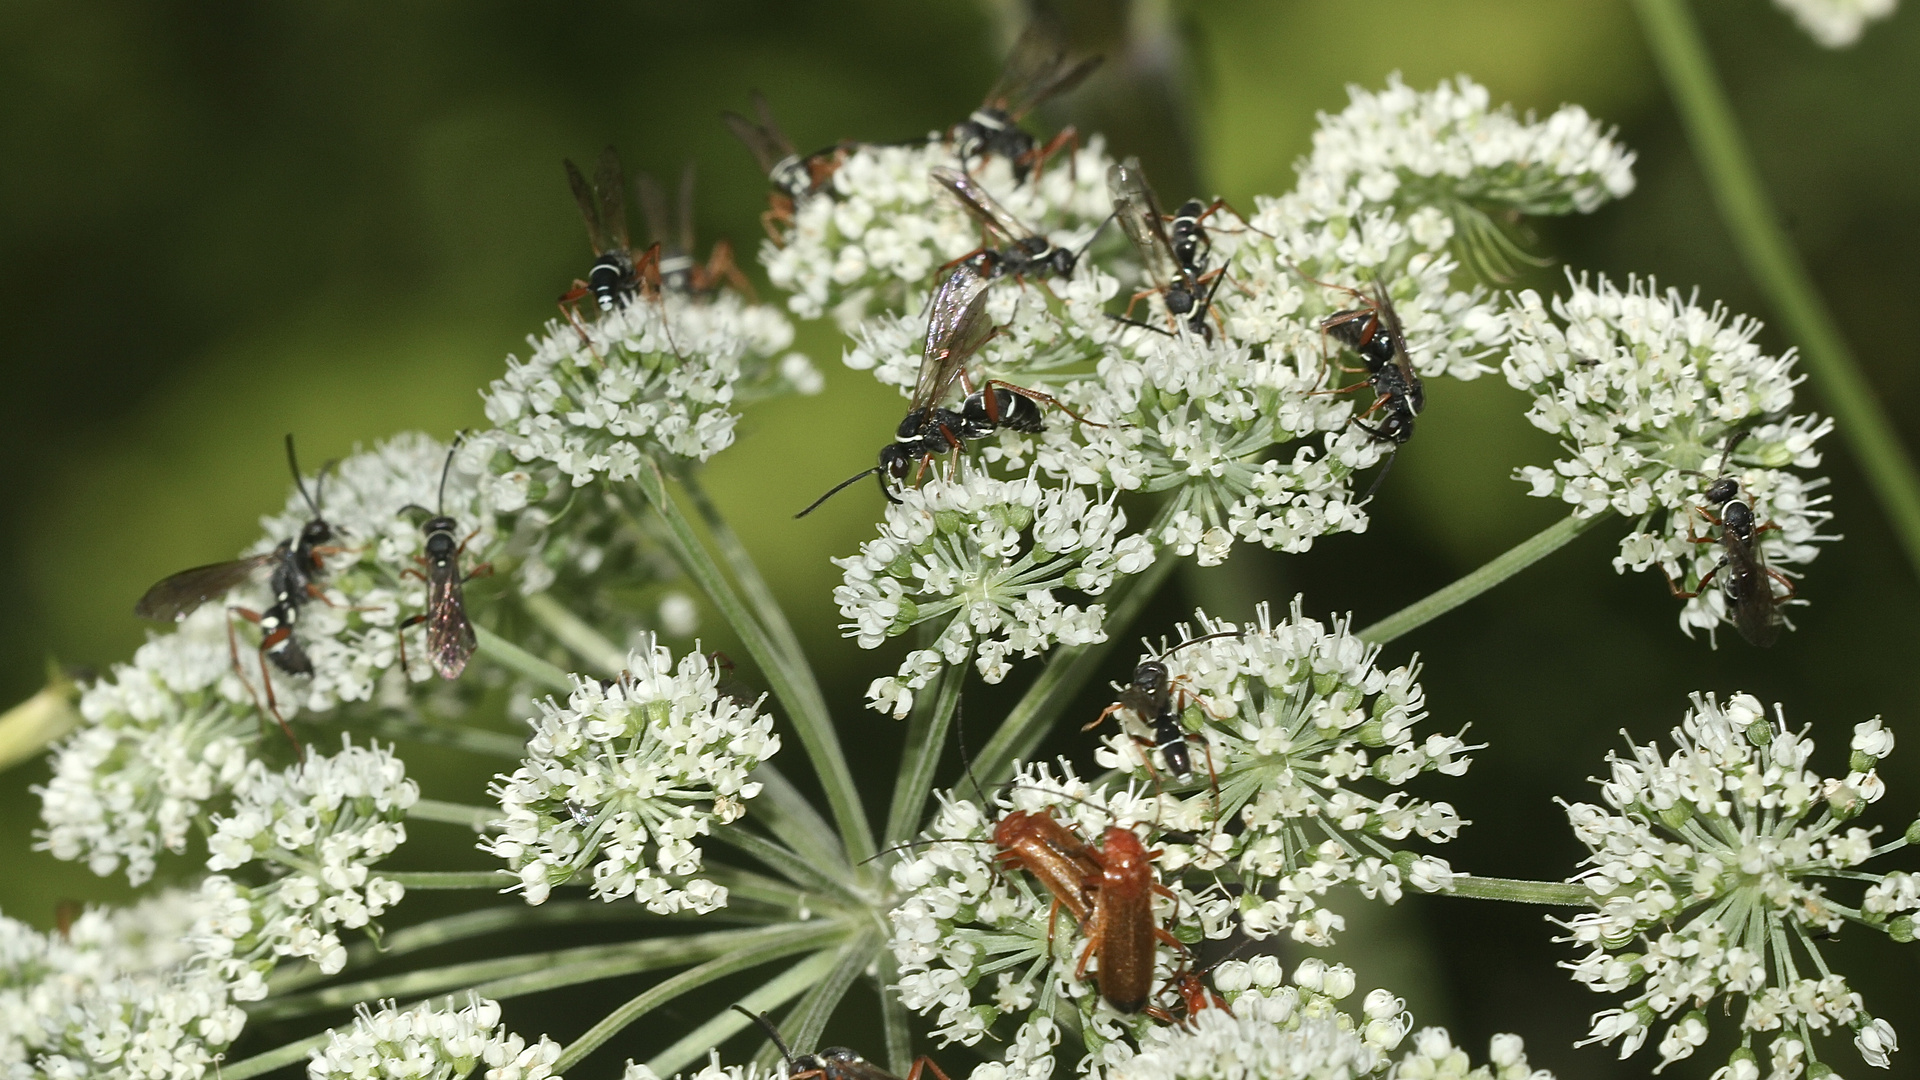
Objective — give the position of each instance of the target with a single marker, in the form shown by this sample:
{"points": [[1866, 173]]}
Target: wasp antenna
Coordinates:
{"points": [[766, 1025], [458, 438], [1378, 480], [1203, 637], [966, 761], [293, 463], [1726, 456], [836, 489], [1102, 227]]}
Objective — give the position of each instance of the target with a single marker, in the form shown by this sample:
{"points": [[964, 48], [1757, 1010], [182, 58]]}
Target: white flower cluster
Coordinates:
{"points": [[1706, 869], [1448, 144], [431, 1041], [116, 995], [1836, 23], [316, 828], [656, 376], [986, 556], [877, 234], [962, 918], [1645, 389], [1288, 726], [712, 1070], [625, 776]]}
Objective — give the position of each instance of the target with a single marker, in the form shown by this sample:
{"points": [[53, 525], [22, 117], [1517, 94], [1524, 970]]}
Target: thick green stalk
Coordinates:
{"points": [[745, 571], [520, 661], [473, 817], [277, 1058], [893, 1017], [786, 986], [1775, 266], [465, 737], [796, 869], [1556, 893], [801, 938], [451, 879], [1500, 568], [792, 682], [581, 639], [809, 1018], [568, 966], [793, 819], [926, 741], [1067, 670]]}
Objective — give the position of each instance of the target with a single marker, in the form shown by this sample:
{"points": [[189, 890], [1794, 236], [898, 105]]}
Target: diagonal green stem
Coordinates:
{"points": [[473, 817], [792, 682], [809, 1018], [1556, 893], [520, 661], [793, 819], [1067, 670], [798, 939], [1500, 568], [465, 737], [727, 1023], [893, 1016], [277, 1058], [754, 587], [1775, 266], [926, 741], [451, 879], [793, 867], [580, 638]]}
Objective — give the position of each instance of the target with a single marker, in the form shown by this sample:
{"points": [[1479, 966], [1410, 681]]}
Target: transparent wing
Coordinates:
{"points": [[1036, 69], [589, 209], [1392, 319], [653, 209], [685, 215], [613, 200], [1139, 215], [768, 144], [450, 637], [957, 325], [175, 597], [984, 207]]}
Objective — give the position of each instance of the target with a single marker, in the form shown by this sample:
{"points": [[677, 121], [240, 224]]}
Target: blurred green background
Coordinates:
{"points": [[220, 222]]}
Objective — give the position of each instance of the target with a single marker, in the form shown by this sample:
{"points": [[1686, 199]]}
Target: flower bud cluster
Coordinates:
{"points": [[986, 557], [625, 777], [658, 376], [1645, 390], [1707, 870], [432, 1041], [1295, 734]]}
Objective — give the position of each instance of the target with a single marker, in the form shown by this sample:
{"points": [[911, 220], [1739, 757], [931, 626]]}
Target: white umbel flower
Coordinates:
{"points": [[712, 1070], [1708, 867], [876, 235], [987, 557], [1308, 740], [1435, 1057], [1262, 1036], [1644, 389], [1836, 23], [625, 778], [433, 1041], [658, 376]]}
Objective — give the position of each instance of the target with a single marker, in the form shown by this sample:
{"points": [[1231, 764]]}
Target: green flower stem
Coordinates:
{"points": [[277, 1058], [1500, 568], [1556, 893], [603, 656], [1775, 266], [839, 887], [926, 741], [803, 937], [473, 817], [575, 965], [754, 587], [467, 924], [809, 1018], [496, 744], [893, 1017], [792, 682], [792, 818], [521, 662], [1067, 670], [727, 1023], [451, 879]]}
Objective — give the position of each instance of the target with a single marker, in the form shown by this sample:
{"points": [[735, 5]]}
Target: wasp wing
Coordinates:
{"points": [[450, 638], [1401, 358], [685, 216], [957, 325], [589, 209], [985, 208], [653, 210], [612, 185], [768, 144], [1036, 69], [175, 597], [1140, 218], [1749, 591]]}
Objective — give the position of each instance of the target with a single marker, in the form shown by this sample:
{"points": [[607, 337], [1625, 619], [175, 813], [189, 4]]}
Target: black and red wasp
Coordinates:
{"points": [[834, 1062], [1173, 253], [294, 569], [617, 273], [1746, 581], [957, 326], [1149, 708], [1021, 251], [1037, 69], [450, 637], [675, 267], [794, 177], [1372, 329]]}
